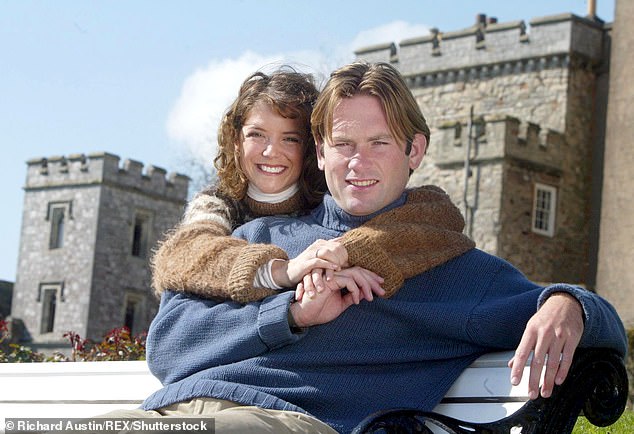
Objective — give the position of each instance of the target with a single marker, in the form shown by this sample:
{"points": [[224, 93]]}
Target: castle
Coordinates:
{"points": [[88, 228], [519, 118]]}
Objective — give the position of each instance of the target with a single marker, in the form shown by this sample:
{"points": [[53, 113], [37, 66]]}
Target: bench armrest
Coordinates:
{"points": [[597, 385]]}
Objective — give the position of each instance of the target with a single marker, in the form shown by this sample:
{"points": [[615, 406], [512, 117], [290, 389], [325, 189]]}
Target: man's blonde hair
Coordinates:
{"points": [[381, 80]]}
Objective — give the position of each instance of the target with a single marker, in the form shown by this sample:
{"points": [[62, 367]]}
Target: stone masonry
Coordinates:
{"points": [[615, 274], [94, 273]]}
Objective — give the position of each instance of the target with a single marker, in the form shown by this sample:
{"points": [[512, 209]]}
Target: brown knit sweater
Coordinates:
{"points": [[200, 257]]}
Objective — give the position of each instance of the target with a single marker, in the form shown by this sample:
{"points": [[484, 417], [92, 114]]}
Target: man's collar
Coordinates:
{"points": [[332, 216]]}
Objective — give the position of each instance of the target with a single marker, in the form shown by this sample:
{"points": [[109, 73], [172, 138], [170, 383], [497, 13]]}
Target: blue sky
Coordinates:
{"points": [[149, 79]]}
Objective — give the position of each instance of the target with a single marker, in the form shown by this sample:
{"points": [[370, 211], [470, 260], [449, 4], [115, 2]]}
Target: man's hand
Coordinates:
{"points": [[319, 307], [552, 335]]}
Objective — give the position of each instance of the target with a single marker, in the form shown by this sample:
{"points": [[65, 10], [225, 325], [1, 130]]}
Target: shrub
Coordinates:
{"points": [[118, 344]]}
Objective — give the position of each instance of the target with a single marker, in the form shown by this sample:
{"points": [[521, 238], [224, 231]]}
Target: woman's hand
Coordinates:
{"points": [[361, 284], [322, 254]]}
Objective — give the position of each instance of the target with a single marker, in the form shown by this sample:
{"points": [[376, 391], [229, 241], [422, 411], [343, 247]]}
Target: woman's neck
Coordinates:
{"points": [[258, 195]]}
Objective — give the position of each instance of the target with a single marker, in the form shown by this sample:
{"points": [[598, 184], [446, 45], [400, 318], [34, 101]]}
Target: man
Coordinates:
{"points": [[324, 363]]}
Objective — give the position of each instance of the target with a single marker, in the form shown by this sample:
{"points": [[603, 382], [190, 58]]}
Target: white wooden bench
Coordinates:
{"points": [[482, 393]]}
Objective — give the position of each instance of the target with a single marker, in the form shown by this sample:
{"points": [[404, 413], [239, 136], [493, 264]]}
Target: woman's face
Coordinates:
{"points": [[272, 149]]}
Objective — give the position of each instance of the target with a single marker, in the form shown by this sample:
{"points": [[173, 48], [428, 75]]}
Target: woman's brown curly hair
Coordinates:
{"points": [[292, 95]]}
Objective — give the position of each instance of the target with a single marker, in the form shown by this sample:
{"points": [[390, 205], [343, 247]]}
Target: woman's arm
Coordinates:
{"points": [[200, 257]]}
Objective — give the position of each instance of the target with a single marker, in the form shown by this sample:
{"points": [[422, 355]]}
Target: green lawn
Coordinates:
{"points": [[625, 425]]}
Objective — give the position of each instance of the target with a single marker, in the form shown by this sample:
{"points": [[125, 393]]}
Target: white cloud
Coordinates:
{"points": [[207, 92], [204, 97]]}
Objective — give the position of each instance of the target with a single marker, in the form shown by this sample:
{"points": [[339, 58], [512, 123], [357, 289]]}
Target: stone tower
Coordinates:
{"points": [[615, 273], [87, 231], [515, 113]]}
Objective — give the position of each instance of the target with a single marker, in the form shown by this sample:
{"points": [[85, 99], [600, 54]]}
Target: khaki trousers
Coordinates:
{"points": [[232, 418]]}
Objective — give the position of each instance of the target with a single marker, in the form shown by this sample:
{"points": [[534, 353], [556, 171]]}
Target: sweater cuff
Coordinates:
{"points": [[241, 277], [581, 295], [365, 252], [273, 326]]}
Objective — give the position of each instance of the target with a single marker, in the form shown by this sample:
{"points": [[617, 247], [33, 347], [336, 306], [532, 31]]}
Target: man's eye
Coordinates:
{"points": [[342, 144]]}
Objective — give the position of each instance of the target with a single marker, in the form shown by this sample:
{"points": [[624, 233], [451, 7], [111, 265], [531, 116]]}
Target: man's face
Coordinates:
{"points": [[365, 165]]}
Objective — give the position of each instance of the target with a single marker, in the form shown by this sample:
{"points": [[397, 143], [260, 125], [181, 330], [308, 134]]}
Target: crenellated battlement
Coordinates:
{"points": [[104, 168], [490, 48], [491, 138]]}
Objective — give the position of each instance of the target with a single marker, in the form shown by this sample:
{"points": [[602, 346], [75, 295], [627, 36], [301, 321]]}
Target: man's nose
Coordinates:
{"points": [[358, 160]]}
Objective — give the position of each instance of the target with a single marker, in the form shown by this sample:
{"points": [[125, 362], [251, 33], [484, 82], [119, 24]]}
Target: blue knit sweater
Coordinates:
{"points": [[405, 351]]}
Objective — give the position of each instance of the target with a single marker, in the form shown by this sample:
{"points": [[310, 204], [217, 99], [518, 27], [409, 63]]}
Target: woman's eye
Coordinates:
{"points": [[292, 139]]}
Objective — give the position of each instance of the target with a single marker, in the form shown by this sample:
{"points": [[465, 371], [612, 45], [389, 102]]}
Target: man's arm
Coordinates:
{"points": [[190, 334], [517, 313]]}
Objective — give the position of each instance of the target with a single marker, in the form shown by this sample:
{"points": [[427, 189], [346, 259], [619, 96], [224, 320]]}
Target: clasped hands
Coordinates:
{"points": [[325, 283]]}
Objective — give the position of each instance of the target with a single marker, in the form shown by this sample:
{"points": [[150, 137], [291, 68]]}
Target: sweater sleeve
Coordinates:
{"points": [[190, 334], [408, 240], [200, 257]]}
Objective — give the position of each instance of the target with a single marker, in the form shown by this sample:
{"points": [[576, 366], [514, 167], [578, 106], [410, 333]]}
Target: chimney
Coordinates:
{"points": [[592, 9]]}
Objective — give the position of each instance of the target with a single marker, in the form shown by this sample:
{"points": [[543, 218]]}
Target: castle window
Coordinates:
{"points": [[133, 311], [544, 210], [141, 234], [49, 295], [58, 213]]}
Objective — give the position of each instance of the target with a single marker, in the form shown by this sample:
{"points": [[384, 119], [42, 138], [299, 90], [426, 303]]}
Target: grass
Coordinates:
{"points": [[625, 425]]}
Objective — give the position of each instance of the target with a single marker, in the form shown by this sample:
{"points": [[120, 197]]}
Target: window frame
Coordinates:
{"points": [[58, 227], [137, 299], [47, 320], [140, 245], [550, 210]]}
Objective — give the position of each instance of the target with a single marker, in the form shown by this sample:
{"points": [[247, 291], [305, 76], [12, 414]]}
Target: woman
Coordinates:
{"points": [[266, 165]]}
